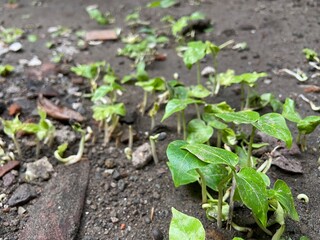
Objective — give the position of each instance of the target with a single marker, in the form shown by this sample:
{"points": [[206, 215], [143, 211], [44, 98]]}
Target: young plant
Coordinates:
{"points": [[9, 35], [6, 69], [90, 72], [10, 128], [98, 16], [44, 130], [162, 4], [183, 226], [305, 125], [108, 115], [62, 148], [311, 55]]}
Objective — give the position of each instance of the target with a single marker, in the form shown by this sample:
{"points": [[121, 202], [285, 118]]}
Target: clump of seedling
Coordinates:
{"points": [[6, 69], [162, 4], [58, 154], [10, 35], [101, 18]]}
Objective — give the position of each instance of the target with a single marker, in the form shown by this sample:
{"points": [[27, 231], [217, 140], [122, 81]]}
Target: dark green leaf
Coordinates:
{"points": [[177, 105], [253, 193], [308, 124], [198, 131], [213, 174], [242, 117], [212, 121]]}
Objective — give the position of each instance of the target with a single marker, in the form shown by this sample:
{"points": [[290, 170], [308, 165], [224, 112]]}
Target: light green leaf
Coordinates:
{"points": [[229, 136], [242, 117], [284, 196], [185, 227], [154, 84], [104, 111], [274, 124], [213, 174], [194, 53], [310, 54], [226, 78], [289, 111], [182, 164], [249, 78], [177, 105], [198, 91], [212, 121], [162, 4], [308, 124], [253, 193], [6, 69], [198, 131], [212, 155], [10, 127], [218, 108]]}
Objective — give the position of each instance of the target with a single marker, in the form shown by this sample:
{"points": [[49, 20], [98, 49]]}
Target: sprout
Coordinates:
{"points": [[303, 197]]}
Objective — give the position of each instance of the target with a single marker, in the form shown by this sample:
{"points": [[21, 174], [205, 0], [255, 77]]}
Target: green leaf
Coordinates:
{"points": [[10, 127], [154, 84], [162, 4], [229, 136], [198, 91], [253, 193], [310, 54], [32, 38], [242, 117], [95, 14], [284, 196], [177, 105], [212, 155], [62, 148], [100, 92], [212, 121], [274, 124], [218, 108], [182, 164], [249, 78], [198, 131], [308, 124], [30, 127], [194, 53], [226, 78], [88, 71], [104, 111], [185, 227], [289, 111], [213, 174], [6, 69]]}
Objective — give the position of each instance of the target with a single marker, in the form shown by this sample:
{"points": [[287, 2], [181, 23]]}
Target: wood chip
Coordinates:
{"points": [[312, 89], [14, 109], [101, 35], [8, 167]]}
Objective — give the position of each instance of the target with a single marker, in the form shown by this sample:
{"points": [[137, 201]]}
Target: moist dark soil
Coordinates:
{"points": [[123, 202]]}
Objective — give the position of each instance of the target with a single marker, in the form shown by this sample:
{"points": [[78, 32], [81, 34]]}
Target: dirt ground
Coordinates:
{"points": [[275, 31]]}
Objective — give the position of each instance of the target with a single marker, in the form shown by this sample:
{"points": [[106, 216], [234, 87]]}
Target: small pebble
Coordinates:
{"points": [[109, 163], [121, 185], [147, 220], [116, 175], [114, 219], [157, 234]]}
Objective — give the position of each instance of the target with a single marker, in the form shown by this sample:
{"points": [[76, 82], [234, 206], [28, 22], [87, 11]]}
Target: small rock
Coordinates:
{"points": [[114, 219], [207, 71], [22, 195], [35, 61], [156, 195], [157, 234], [38, 169], [109, 163], [116, 175], [107, 172], [65, 135], [121, 185], [162, 136], [21, 210], [147, 220], [8, 179], [15, 47], [142, 155]]}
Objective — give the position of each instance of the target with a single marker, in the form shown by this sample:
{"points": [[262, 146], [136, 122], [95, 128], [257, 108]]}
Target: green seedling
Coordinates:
{"points": [[32, 38], [6, 69], [108, 115], [59, 31], [90, 72], [162, 4], [10, 35], [183, 226], [177, 105], [133, 19], [311, 55], [143, 50], [305, 125], [44, 130], [153, 112], [153, 140], [198, 131], [10, 128], [62, 148], [197, 92], [98, 16]]}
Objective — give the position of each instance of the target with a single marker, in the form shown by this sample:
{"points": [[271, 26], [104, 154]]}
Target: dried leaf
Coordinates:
{"points": [[14, 108], [312, 105], [8, 167], [289, 165], [101, 35], [60, 113], [312, 89]]}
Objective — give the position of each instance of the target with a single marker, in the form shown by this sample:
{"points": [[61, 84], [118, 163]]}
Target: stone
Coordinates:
{"points": [[38, 169], [23, 194], [109, 163], [157, 234], [65, 134], [8, 179], [21, 210], [142, 156], [57, 213]]}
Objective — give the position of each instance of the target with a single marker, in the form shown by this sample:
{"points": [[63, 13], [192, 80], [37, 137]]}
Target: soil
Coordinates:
{"points": [[119, 202]]}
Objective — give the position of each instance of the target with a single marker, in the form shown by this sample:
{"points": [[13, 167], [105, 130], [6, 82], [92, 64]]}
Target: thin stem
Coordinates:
{"points": [[16, 143], [179, 122], [197, 110], [198, 73], [152, 122], [219, 138], [153, 149], [144, 102], [219, 217], [184, 125], [203, 186], [130, 137], [249, 162], [267, 231], [242, 97], [37, 148], [231, 202]]}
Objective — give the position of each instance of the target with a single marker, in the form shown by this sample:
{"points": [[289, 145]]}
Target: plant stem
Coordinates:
{"points": [[231, 202], [37, 148], [197, 110], [16, 143], [249, 162], [144, 102], [184, 125], [152, 122], [242, 97], [219, 138], [203, 186], [153, 149], [179, 122], [267, 231], [219, 217], [130, 137], [198, 73]]}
